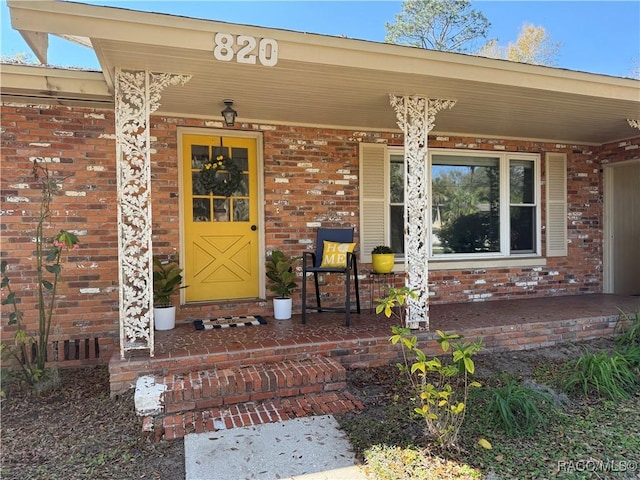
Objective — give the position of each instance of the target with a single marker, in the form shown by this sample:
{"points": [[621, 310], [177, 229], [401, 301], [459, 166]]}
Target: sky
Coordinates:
{"points": [[596, 36]]}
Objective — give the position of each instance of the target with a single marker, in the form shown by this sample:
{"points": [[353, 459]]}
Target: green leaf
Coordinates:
{"points": [[9, 299], [418, 366], [469, 365], [484, 443], [47, 284], [55, 269], [20, 337], [420, 411], [3, 266]]}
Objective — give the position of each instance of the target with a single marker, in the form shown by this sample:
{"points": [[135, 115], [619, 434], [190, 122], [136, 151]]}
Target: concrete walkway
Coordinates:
{"points": [[310, 448]]}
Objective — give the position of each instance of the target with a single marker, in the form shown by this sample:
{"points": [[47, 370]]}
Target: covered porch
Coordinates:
{"points": [[357, 92], [502, 324]]}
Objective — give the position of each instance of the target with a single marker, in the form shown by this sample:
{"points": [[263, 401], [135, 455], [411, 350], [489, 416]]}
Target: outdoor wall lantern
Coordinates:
{"points": [[229, 114]]}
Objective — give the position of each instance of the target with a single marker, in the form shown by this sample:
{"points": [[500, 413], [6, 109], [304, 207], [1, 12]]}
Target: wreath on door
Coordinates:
{"points": [[220, 176]]}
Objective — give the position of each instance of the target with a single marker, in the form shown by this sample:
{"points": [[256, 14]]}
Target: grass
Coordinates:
{"points": [[516, 408], [628, 328], [602, 373], [596, 429]]}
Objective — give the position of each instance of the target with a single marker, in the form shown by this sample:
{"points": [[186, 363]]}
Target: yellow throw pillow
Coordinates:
{"points": [[334, 254]]}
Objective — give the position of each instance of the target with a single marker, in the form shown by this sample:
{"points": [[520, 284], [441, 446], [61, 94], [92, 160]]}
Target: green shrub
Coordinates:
{"points": [[607, 374], [628, 326], [442, 387], [518, 409]]}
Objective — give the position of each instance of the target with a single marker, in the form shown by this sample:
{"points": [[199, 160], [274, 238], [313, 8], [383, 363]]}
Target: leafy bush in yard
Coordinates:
{"points": [[607, 374], [443, 388], [518, 409]]}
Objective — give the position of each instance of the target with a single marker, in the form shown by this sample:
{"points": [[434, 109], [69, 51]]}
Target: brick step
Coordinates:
{"points": [[222, 387], [175, 426]]}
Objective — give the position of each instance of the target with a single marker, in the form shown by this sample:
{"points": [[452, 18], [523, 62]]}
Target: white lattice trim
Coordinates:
{"points": [[137, 95], [416, 118]]}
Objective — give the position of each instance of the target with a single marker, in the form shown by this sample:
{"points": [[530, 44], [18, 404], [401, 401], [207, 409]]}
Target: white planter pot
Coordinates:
{"points": [[164, 318], [282, 308]]}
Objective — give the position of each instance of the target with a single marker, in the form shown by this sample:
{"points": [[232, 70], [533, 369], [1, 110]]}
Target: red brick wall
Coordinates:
{"points": [[77, 146], [310, 178], [619, 151], [579, 272]]}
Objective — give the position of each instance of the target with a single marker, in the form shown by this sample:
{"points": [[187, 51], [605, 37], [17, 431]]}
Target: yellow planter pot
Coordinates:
{"points": [[383, 262]]}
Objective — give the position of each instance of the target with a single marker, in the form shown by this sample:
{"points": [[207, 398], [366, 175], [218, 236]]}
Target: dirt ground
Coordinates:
{"points": [[78, 431]]}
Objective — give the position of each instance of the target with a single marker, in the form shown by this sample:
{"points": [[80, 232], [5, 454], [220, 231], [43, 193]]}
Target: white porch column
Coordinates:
{"points": [[137, 95], [416, 116]]}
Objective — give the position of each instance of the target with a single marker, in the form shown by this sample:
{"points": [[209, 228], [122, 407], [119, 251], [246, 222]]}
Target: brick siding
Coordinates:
{"points": [[310, 180]]}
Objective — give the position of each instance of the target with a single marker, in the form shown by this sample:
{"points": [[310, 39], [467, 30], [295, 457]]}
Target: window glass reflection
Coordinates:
{"points": [[221, 209], [201, 210], [241, 210], [465, 204], [199, 155]]}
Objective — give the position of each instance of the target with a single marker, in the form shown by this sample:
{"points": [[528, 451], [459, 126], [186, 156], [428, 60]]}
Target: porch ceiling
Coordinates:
{"points": [[340, 82]]}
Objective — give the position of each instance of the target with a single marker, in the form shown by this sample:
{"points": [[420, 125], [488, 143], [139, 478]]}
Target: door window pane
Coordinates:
{"points": [[197, 187], [243, 189], [241, 158], [201, 210], [199, 155], [240, 210], [221, 209]]}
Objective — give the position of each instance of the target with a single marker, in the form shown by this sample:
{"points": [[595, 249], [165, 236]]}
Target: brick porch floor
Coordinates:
{"points": [[195, 361], [503, 325]]}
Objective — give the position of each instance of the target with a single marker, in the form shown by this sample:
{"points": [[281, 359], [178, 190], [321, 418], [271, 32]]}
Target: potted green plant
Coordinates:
{"points": [[167, 281], [383, 259], [282, 277]]}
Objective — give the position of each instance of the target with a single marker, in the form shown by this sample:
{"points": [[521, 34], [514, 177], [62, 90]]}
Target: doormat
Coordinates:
{"points": [[227, 322]]}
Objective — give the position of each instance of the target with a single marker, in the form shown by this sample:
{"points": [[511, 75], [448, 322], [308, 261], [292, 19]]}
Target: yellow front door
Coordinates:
{"points": [[220, 231]]}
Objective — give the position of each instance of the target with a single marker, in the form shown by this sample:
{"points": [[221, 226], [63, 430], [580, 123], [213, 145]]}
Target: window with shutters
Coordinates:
{"points": [[482, 204]]}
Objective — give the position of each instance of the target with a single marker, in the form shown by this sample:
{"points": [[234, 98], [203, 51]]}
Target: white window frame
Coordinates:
{"points": [[505, 203], [490, 259]]}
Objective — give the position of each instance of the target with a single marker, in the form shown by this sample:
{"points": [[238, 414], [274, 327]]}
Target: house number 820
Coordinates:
{"points": [[226, 45]]}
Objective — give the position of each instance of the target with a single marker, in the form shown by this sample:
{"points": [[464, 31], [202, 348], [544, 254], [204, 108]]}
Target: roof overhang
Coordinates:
{"points": [[41, 85], [340, 82]]}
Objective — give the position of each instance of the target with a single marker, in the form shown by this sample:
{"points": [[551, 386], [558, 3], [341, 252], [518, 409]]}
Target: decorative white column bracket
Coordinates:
{"points": [[137, 95], [416, 118], [634, 123]]}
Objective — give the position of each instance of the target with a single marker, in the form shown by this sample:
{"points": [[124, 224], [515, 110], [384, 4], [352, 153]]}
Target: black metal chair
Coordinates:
{"points": [[312, 262]]}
